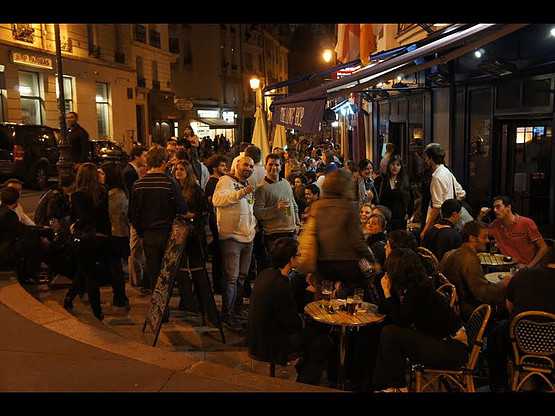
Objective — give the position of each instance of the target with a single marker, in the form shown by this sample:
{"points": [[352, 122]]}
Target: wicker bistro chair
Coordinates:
{"points": [[532, 336], [429, 258], [463, 377], [448, 290]]}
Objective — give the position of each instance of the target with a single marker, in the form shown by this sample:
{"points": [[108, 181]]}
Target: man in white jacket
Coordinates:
{"points": [[234, 202]]}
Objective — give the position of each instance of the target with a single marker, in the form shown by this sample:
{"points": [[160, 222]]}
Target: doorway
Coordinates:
{"points": [[526, 157]]}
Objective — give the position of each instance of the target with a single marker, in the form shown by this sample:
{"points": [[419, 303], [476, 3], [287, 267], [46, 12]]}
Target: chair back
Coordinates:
{"points": [[533, 335], [448, 290], [430, 260], [475, 328]]}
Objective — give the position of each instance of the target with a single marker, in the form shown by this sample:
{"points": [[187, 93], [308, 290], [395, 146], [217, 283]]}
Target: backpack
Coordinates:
{"points": [[41, 212]]}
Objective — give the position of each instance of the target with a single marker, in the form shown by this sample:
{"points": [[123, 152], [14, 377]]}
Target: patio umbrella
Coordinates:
{"points": [[280, 137], [260, 135]]}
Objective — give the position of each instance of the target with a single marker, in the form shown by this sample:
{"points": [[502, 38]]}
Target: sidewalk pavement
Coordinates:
{"points": [[45, 350]]}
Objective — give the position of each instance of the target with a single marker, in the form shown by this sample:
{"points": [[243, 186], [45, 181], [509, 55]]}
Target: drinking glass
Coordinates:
{"points": [[327, 291], [351, 305], [358, 297]]}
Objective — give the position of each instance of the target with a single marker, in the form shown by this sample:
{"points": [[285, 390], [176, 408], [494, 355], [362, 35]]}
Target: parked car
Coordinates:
{"points": [[28, 152], [107, 151]]}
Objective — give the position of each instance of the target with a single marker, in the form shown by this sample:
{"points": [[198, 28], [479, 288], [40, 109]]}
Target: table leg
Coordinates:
{"points": [[342, 353]]}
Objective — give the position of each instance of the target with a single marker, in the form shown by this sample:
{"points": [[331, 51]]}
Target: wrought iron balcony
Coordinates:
{"points": [[23, 32], [67, 45]]}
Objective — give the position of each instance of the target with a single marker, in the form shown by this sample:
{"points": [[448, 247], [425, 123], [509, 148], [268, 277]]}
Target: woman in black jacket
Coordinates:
{"points": [[420, 323], [195, 249], [394, 192], [91, 231]]}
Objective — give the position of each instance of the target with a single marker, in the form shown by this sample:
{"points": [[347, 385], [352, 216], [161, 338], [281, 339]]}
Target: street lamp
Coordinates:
{"points": [[327, 55], [255, 83]]}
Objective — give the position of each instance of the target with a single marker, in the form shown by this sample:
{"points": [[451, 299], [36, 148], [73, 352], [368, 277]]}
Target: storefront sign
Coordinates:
{"points": [[183, 104], [32, 60], [304, 116]]}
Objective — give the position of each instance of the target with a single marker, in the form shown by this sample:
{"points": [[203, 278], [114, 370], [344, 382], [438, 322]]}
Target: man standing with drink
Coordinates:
{"points": [[234, 200], [275, 206]]}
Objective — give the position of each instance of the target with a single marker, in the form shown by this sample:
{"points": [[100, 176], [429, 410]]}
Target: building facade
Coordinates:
{"points": [[211, 75], [101, 81]]}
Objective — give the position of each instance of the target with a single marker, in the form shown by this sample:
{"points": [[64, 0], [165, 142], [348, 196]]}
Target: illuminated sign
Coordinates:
{"points": [[345, 72], [292, 115], [208, 113], [32, 60]]}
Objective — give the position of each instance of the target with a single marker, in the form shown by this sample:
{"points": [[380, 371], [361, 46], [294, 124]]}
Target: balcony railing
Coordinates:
{"points": [[154, 38], [139, 33], [141, 82], [404, 28], [67, 45], [119, 57], [23, 32]]}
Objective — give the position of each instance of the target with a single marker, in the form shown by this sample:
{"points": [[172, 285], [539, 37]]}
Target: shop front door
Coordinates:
{"points": [[528, 161]]}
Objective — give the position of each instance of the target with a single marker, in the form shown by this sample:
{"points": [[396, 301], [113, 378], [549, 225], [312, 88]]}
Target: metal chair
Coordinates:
{"points": [[463, 378], [429, 258], [532, 336]]}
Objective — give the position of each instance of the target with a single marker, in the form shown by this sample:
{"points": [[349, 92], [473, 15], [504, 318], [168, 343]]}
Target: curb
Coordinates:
{"points": [[15, 297]]}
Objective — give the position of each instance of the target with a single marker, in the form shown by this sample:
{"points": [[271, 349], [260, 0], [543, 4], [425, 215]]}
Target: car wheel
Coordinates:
{"points": [[40, 177]]}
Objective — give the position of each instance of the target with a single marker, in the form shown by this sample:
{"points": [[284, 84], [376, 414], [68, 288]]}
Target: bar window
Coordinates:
{"points": [[31, 100], [102, 110], [68, 92]]}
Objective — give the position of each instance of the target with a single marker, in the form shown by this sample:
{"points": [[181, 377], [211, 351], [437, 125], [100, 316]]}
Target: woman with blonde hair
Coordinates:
{"points": [[91, 230]]}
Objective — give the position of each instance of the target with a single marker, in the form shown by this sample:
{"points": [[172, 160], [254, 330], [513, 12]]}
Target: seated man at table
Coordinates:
{"points": [[275, 330], [463, 269], [528, 290], [515, 235], [443, 236]]}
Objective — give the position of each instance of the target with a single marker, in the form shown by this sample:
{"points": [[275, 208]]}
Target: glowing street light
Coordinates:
{"points": [[327, 55], [255, 83]]}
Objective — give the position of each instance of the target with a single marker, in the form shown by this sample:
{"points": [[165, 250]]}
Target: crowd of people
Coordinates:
{"points": [[274, 229]]}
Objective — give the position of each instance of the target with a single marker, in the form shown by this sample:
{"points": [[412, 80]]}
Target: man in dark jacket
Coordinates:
{"points": [[443, 236], [153, 205], [131, 171], [275, 330], [78, 138], [10, 227]]}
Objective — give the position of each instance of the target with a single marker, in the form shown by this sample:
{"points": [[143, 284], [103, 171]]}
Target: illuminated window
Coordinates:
{"points": [[102, 110], [30, 97], [68, 92], [524, 134]]}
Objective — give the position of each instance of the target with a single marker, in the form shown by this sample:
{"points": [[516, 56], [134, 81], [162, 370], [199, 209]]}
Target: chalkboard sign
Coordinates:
{"points": [[159, 302]]}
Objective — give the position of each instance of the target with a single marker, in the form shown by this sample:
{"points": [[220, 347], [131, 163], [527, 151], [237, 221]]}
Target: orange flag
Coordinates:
{"points": [[367, 42], [348, 42]]}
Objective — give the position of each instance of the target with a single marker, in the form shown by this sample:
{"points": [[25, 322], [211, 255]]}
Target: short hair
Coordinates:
{"points": [[449, 207], [313, 188], [435, 152], [156, 157], [9, 196], [13, 180], [472, 228], [243, 146], [273, 156], [182, 155], [386, 212], [74, 114], [214, 161], [364, 163], [254, 153], [505, 199], [136, 152], [401, 239], [283, 250], [171, 141], [380, 218]]}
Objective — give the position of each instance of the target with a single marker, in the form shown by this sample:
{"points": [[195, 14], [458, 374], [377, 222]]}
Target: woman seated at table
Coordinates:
{"points": [[420, 324], [364, 215]]}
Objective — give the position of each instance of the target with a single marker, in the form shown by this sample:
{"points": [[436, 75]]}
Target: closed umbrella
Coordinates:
{"points": [[260, 135], [280, 137]]}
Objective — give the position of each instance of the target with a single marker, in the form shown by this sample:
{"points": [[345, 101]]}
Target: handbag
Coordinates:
{"points": [[308, 247]]}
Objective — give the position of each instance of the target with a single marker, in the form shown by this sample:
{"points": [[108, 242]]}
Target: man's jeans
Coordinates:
{"points": [[236, 258]]}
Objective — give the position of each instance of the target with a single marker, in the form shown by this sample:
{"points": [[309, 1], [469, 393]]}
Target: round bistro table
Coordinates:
{"points": [[492, 262], [343, 320]]}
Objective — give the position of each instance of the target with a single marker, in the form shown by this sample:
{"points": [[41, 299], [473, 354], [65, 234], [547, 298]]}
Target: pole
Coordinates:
{"points": [[65, 164]]}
